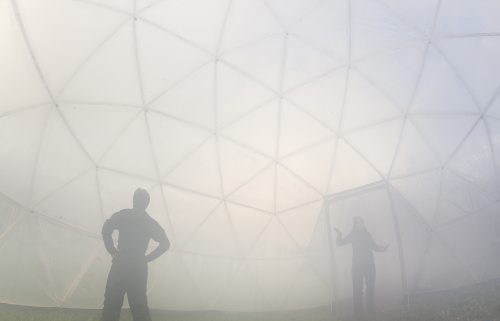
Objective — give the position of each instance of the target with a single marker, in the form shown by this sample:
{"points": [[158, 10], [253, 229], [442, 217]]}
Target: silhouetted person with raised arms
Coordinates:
{"points": [[363, 265], [129, 270]]}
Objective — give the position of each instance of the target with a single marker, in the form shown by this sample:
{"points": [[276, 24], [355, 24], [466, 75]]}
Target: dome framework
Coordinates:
{"points": [[257, 127]]}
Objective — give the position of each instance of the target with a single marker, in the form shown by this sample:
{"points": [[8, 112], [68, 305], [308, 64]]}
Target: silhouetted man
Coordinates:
{"points": [[129, 270], [363, 265]]}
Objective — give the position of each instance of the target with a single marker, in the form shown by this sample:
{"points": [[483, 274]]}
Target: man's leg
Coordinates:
{"points": [[357, 292], [370, 290], [136, 293], [113, 296]]}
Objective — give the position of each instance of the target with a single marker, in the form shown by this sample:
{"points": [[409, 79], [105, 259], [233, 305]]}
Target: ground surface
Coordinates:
{"points": [[475, 303]]}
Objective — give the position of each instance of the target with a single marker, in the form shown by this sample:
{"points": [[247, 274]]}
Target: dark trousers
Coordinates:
{"points": [[126, 276], [363, 275]]}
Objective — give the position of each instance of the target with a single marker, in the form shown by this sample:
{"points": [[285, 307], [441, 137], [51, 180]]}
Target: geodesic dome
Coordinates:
{"points": [[257, 126]]}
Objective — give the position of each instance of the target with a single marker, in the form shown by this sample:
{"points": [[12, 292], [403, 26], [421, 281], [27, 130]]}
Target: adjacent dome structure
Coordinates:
{"points": [[257, 126]]}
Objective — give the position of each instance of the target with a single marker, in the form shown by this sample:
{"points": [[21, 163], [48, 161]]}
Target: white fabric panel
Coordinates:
{"points": [[200, 23], [15, 60], [21, 135], [24, 278], [244, 119]]}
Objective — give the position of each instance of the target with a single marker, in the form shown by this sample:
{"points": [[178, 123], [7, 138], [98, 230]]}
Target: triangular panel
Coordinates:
{"points": [[131, 152], [199, 22], [237, 94], [20, 84], [238, 165], [97, 126], [59, 147], [262, 60], [75, 28], [292, 191], [440, 90], [187, 211], [170, 151], [301, 222], [298, 130], [476, 61], [320, 155], [445, 133], [377, 143], [350, 170], [105, 69], [322, 98], [77, 203], [248, 224], [180, 102], [257, 130], [200, 171], [222, 243], [304, 63], [23, 277], [18, 155], [259, 192], [164, 59], [241, 15], [275, 241], [365, 104], [326, 27], [413, 154]]}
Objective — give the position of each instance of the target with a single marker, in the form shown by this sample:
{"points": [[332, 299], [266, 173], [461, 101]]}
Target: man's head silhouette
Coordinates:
{"points": [[141, 199], [358, 223]]}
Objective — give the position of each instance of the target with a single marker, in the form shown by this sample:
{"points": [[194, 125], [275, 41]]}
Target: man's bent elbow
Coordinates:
{"points": [[164, 246], [106, 230]]}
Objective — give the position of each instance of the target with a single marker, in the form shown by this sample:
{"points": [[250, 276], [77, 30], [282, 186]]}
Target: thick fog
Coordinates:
{"points": [[258, 128]]}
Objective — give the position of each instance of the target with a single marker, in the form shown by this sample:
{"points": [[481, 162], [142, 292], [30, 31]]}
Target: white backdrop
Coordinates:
{"points": [[240, 116]]}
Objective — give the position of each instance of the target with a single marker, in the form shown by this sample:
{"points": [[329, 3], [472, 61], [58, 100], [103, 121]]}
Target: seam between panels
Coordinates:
{"points": [[42, 256], [462, 142], [55, 221], [458, 76], [417, 83], [21, 109], [104, 6], [158, 175], [332, 288], [79, 276], [173, 34], [30, 50], [36, 161], [407, 110], [45, 84], [494, 158], [91, 54], [153, 154], [466, 216], [241, 262], [50, 94], [218, 158], [278, 120], [402, 260], [11, 227], [178, 82], [434, 234], [333, 163]]}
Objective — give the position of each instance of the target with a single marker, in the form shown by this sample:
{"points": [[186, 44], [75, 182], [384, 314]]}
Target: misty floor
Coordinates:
{"points": [[475, 303]]}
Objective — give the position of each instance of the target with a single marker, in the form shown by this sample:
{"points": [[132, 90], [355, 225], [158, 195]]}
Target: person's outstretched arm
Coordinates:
{"points": [[377, 248], [163, 243], [107, 231], [342, 240]]}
